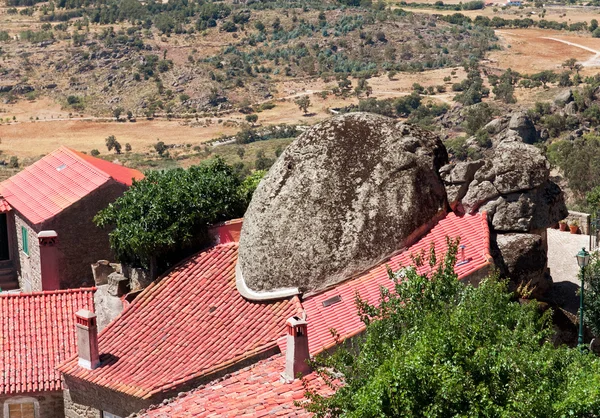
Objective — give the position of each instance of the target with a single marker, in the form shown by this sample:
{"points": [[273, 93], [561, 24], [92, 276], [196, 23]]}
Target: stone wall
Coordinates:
{"points": [[29, 274], [74, 410], [86, 400], [80, 242], [583, 219], [49, 404]]}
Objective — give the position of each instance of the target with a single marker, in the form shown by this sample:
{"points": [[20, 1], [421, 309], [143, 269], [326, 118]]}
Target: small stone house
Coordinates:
{"points": [[37, 332], [47, 237]]}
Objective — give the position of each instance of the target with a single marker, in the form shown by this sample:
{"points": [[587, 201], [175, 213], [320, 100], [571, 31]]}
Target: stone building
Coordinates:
{"points": [[47, 237], [37, 332]]}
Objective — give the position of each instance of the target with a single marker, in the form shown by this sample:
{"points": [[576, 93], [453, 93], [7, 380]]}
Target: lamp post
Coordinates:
{"points": [[583, 259]]}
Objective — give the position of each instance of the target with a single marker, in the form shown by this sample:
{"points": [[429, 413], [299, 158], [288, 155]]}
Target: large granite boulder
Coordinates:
{"points": [[345, 195], [522, 258]]}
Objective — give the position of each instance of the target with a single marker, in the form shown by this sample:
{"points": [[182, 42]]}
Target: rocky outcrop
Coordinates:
{"points": [[344, 196], [513, 187]]}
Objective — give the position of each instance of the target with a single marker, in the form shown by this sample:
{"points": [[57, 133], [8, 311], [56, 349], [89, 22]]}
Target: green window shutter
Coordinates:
{"points": [[25, 240]]}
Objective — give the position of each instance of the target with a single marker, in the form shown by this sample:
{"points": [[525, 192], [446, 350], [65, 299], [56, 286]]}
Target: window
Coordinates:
{"points": [[109, 415], [21, 407], [25, 240], [21, 410]]}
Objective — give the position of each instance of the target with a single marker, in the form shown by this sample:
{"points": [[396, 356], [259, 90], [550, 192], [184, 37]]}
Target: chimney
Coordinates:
{"points": [[226, 232], [87, 339], [296, 351], [48, 241]]}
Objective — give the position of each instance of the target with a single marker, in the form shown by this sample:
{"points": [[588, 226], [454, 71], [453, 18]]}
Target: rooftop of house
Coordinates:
{"points": [[259, 390], [190, 324], [336, 308], [61, 178], [37, 332], [201, 325], [255, 391]]}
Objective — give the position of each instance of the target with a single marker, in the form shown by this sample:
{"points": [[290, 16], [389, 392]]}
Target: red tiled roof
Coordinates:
{"points": [[255, 391], [191, 323], [118, 172], [343, 317], [37, 332], [58, 180]]}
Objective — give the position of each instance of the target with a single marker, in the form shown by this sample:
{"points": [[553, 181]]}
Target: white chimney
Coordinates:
{"points": [[87, 339], [296, 352]]}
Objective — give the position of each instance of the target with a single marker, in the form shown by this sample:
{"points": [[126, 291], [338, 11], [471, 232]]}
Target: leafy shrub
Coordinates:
{"points": [[436, 347]]}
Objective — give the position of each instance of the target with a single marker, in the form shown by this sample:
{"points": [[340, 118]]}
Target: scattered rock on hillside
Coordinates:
{"points": [[496, 126], [521, 124], [570, 109], [564, 97], [344, 196]]}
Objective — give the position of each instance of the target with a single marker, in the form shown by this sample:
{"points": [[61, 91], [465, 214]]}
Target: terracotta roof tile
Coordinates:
{"points": [[255, 391], [191, 323], [58, 180], [37, 332], [342, 316]]}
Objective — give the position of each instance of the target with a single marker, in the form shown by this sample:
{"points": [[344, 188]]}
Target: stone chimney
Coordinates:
{"points": [[48, 241], [87, 339], [296, 351]]}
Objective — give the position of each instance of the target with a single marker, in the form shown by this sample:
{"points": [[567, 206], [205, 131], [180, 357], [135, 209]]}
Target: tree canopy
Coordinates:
{"points": [[172, 210], [437, 348]]}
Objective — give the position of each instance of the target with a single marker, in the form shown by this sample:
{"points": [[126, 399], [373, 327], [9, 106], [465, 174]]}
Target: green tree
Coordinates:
{"points": [[167, 212], [117, 112], [434, 347], [476, 117], [303, 103], [160, 148], [252, 118], [112, 143], [592, 280]]}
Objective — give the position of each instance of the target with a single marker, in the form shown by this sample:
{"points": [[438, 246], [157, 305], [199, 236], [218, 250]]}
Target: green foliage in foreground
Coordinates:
{"points": [[438, 348], [592, 295], [172, 210]]}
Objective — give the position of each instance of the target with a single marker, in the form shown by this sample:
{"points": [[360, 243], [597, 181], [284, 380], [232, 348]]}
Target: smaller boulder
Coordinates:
{"points": [[496, 126], [523, 259], [571, 109], [563, 97], [521, 123]]}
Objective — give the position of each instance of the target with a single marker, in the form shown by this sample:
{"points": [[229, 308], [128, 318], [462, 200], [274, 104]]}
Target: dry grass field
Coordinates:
{"points": [[530, 50], [41, 125]]}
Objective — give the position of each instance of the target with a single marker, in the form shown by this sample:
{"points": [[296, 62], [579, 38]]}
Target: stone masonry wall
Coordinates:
{"points": [[30, 275], [86, 400], [75, 410], [49, 404], [80, 241]]}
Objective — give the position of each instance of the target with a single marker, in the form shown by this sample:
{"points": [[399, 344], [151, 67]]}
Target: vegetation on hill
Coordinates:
{"points": [[128, 49], [435, 347]]}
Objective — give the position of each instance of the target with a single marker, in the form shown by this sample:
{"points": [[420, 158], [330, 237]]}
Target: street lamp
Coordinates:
{"points": [[583, 259]]}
